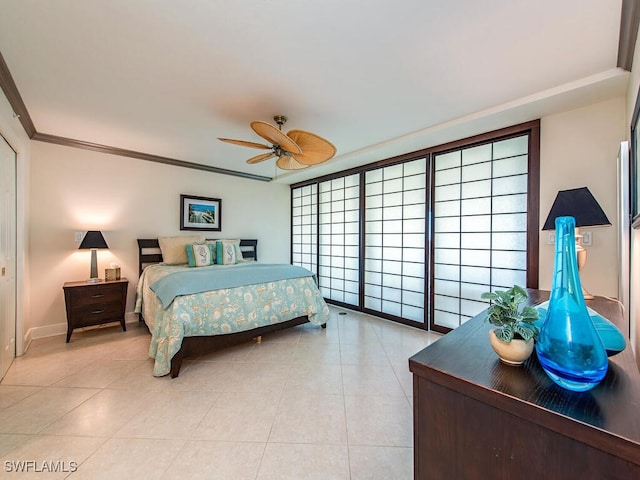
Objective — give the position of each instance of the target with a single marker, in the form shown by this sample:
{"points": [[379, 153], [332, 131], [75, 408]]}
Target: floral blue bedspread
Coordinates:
{"points": [[223, 311]]}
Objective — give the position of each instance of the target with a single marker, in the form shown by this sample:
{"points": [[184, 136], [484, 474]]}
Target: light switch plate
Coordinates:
{"points": [[586, 238], [79, 236]]}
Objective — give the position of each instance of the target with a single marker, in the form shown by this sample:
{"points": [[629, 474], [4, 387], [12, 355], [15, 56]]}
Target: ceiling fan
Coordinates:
{"points": [[297, 149]]}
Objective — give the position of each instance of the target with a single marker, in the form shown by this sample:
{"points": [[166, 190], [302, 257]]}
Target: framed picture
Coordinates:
{"points": [[634, 165], [200, 213]]}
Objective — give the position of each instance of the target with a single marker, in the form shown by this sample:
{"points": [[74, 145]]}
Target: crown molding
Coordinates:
{"points": [[122, 152], [629, 22], [20, 110], [15, 100]]}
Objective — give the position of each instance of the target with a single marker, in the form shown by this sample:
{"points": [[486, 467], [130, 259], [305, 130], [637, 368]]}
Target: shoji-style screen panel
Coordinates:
{"points": [[395, 221], [479, 226], [338, 240], [304, 227]]}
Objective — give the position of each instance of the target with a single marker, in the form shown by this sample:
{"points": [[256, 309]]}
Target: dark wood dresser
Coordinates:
{"points": [[95, 303], [475, 418]]}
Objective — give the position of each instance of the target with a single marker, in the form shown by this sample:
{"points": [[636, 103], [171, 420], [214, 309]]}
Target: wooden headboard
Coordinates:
{"points": [[149, 251]]}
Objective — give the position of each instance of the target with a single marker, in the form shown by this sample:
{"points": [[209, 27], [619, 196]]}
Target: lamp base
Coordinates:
{"points": [[581, 254], [93, 274]]}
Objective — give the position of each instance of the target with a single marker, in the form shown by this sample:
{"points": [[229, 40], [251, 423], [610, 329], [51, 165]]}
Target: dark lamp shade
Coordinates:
{"points": [[578, 203], [93, 239]]}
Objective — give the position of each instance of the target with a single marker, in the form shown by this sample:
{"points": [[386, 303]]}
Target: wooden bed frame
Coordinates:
{"points": [[149, 253]]}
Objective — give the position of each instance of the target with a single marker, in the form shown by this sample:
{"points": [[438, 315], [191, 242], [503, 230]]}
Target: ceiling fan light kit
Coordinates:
{"points": [[295, 150]]}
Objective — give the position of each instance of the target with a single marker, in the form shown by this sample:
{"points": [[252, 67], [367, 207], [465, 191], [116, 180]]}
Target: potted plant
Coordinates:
{"points": [[513, 338]]}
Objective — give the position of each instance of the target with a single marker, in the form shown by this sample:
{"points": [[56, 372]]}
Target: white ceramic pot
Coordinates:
{"points": [[512, 353]]}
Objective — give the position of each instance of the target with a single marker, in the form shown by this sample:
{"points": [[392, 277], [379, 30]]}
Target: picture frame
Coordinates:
{"points": [[200, 213], [634, 165]]}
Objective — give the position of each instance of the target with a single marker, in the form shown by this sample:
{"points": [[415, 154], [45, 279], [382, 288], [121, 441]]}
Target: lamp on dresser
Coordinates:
{"points": [[92, 241], [580, 204]]}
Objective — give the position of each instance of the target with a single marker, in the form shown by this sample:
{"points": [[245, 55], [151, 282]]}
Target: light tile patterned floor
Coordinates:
{"points": [[306, 403]]}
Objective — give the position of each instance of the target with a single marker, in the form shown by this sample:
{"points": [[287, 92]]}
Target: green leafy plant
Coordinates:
{"points": [[506, 313]]}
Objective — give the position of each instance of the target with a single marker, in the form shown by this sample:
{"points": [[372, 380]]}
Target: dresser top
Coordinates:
{"points": [[464, 361], [86, 283]]}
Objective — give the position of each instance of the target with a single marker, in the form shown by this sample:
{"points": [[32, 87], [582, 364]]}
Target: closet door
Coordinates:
{"points": [[7, 256]]}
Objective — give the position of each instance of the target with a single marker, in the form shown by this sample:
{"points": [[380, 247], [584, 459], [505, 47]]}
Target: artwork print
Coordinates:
{"points": [[200, 213]]}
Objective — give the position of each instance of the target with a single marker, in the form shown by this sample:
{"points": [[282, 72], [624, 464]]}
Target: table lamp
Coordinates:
{"points": [[580, 204], [92, 241]]}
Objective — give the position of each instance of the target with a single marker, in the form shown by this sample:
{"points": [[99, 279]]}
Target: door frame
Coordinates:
{"points": [[12, 322]]}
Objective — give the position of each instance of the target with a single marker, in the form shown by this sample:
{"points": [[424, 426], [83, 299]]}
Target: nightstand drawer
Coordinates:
{"points": [[96, 314], [96, 295]]}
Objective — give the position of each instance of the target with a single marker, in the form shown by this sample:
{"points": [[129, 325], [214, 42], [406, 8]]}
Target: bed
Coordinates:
{"points": [[192, 311]]}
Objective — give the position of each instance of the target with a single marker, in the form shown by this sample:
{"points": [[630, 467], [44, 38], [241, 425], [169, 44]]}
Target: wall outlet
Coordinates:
{"points": [[79, 236], [552, 238], [586, 238]]}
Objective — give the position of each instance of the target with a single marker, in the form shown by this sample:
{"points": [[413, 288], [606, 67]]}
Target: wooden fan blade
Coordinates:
{"points": [[275, 136], [244, 143], [315, 149], [261, 158], [286, 162]]}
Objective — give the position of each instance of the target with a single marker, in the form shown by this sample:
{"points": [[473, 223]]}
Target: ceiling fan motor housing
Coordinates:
{"points": [[280, 120]]}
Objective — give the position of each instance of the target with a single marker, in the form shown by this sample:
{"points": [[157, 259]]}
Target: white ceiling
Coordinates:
{"points": [[377, 78]]}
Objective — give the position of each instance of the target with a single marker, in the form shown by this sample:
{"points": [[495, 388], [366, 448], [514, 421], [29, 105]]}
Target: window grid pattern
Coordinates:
{"points": [[395, 220], [339, 239], [479, 226], [304, 227]]}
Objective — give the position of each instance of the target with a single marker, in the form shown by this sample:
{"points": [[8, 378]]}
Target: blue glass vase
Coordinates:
{"points": [[568, 346]]}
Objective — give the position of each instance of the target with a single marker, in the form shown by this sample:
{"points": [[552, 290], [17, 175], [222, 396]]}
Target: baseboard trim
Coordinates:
{"points": [[57, 329], [45, 331]]}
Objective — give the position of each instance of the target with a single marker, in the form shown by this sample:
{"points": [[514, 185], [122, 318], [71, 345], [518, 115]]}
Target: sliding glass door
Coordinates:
{"points": [[304, 227], [418, 239], [339, 239], [394, 253], [479, 226]]}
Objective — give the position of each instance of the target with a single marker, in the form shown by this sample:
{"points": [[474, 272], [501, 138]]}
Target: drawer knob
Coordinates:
{"points": [[97, 295], [95, 312]]}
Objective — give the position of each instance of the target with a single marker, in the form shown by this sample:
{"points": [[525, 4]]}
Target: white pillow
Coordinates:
{"points": [[200, 254], [174, 249], [236, 246], [226, 252]]}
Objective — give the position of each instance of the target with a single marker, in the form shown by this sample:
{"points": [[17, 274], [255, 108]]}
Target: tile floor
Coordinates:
{"points": [[306, 403]]}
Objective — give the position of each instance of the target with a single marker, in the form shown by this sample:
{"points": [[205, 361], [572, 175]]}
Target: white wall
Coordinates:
{"points": [[578, 148], [12, 131], [78, 190]]}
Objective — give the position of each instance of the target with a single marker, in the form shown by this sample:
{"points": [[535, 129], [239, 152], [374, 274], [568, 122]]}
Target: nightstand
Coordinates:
{"points": [[95, 303]]}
